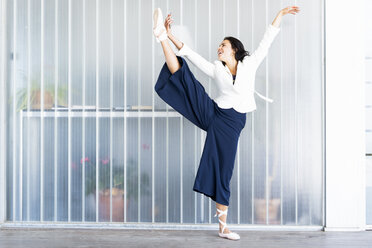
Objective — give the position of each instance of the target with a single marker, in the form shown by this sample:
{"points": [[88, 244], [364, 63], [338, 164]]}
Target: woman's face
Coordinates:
{"points": [[225, 51]]}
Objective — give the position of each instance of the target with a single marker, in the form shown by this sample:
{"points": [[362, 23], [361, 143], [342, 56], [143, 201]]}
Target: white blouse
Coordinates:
{"points": [[239, 95]]}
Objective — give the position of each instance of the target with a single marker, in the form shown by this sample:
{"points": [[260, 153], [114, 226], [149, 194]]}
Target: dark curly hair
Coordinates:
{"points": [[238, 47]]}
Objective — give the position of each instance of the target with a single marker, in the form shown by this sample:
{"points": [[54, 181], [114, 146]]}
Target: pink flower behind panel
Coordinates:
{"points": [[84, 160], [146, 146], [105, 161]]}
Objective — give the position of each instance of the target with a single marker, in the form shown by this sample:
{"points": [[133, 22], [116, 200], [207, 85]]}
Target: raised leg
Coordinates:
{"points": [[161, 36], [170, 57]]}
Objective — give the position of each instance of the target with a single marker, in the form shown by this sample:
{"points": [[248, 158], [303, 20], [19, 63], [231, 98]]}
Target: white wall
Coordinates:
{"points": [[368, 68], [2, 115], [345, 119]]}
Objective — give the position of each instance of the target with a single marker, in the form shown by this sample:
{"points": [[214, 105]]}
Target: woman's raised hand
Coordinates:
{"points": [[167, 23], [290, 10]]}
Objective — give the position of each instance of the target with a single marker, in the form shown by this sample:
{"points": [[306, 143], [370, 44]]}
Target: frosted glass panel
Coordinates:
{"points": [[90, 141]]}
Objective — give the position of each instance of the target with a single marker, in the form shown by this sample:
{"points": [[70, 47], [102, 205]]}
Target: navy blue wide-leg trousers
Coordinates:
{"points": [[223, 126]]}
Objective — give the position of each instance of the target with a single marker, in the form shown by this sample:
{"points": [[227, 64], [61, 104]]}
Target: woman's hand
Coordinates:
{"points": [[167, 23], [290, 10]]}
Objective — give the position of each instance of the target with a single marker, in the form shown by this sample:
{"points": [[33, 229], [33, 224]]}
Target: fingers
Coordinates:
{"points": [[169, 16], [168, 19], [292, 10], [168, 22]]}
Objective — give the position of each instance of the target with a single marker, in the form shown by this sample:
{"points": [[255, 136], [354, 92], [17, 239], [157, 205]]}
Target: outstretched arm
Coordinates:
{"points": [[200, 62], [260, 53]]}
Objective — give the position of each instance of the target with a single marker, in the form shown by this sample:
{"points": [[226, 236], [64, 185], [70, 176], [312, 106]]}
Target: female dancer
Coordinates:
{"points": [[224, 117]]}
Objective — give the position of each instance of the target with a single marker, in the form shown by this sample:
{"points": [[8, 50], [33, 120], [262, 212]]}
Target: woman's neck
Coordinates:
{"points": [[232, 65]]}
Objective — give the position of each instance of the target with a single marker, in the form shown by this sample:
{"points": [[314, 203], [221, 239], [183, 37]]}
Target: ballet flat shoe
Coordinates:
{"points": [[158, 27]]}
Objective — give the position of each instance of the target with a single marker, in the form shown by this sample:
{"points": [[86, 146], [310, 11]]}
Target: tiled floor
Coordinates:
{"points": [[35, 237]]}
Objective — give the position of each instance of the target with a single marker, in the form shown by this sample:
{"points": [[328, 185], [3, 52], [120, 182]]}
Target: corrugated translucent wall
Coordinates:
{"points": [[368, 69], [88, 139]]}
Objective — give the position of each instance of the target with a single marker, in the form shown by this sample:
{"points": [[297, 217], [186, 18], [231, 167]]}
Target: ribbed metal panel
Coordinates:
{"points": [[103, 52]]}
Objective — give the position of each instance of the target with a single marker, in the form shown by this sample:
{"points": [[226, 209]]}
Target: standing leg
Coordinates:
{"points": [[223, 217]]}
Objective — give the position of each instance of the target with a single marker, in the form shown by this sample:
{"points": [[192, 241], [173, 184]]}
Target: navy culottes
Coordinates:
{"points": [[223, 126]]}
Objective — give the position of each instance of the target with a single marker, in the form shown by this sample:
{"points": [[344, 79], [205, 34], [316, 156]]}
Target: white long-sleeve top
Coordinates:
{"points": [[239, 95]]}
